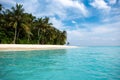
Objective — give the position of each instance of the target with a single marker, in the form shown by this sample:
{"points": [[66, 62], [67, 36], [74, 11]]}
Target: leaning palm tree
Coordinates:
{"points": [[17, 20]]}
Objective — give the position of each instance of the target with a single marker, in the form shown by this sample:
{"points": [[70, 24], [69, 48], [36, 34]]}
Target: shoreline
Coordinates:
{"points": [[28, 47]]}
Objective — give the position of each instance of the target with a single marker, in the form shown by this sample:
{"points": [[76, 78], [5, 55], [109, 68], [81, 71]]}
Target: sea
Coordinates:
{"points": [[83, 63]]}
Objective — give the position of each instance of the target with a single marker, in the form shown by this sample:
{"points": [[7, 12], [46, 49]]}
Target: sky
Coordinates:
{"points": [[87, 22]]}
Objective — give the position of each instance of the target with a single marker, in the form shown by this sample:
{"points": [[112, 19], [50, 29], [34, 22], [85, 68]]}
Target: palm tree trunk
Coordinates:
{"points": [[28, 38], [38, 35], [17, 36], [14, 41]]}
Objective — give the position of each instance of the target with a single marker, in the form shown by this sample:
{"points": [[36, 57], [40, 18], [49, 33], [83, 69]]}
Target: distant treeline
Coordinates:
{"points": [[19, 27]]}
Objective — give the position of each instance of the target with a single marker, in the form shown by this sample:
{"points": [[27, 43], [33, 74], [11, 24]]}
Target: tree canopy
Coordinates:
{"points": [[19, 27]]}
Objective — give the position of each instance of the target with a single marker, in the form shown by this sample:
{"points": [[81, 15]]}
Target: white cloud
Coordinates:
{"points": [[12, 2], [102, 30], [31, 6], [74, 22], [115, 18], [112, 1], [52, 8], [104, 34], [57, 23], [100, 4], [75, 4], [62, 9]]}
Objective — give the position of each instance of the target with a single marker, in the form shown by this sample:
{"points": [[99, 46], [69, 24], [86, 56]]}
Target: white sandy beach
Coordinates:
{"points": [[23, 47]]}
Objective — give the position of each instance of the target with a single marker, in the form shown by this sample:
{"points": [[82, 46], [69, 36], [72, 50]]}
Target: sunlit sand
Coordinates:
{"points": [[20, 47]]}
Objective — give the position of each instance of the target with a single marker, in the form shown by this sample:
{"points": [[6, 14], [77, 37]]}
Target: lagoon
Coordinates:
{"points": [[84, 63]]}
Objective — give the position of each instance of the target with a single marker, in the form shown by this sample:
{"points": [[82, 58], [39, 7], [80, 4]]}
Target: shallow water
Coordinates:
{"points": [[86, 63]]}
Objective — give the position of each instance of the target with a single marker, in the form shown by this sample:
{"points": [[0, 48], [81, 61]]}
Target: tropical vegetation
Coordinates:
{"points": [[19, 27]]}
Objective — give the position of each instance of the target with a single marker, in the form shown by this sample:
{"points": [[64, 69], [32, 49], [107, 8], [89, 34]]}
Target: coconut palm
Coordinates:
{"points": [[16, 27], [38, 24], [42, 26], [46, 28], [18, 20]]}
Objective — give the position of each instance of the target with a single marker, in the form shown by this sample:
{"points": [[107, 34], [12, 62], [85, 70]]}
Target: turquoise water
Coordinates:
{"points": [[86, 63]]}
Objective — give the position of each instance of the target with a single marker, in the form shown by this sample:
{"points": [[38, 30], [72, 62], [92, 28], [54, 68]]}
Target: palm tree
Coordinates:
{"points": [[46, 28], [18, 20], [60, 37], [16, 27], [28, 21], [38, 25], [42, 25]]}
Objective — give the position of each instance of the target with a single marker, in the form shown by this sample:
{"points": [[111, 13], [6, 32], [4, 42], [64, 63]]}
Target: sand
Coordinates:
{"points": [[23, 47]]}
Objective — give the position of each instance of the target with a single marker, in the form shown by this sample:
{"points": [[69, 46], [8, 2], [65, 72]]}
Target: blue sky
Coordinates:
{"points": [[87, 22]]}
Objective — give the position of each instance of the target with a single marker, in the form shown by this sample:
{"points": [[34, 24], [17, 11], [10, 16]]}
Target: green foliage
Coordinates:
{"points": [[19, 27]]}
